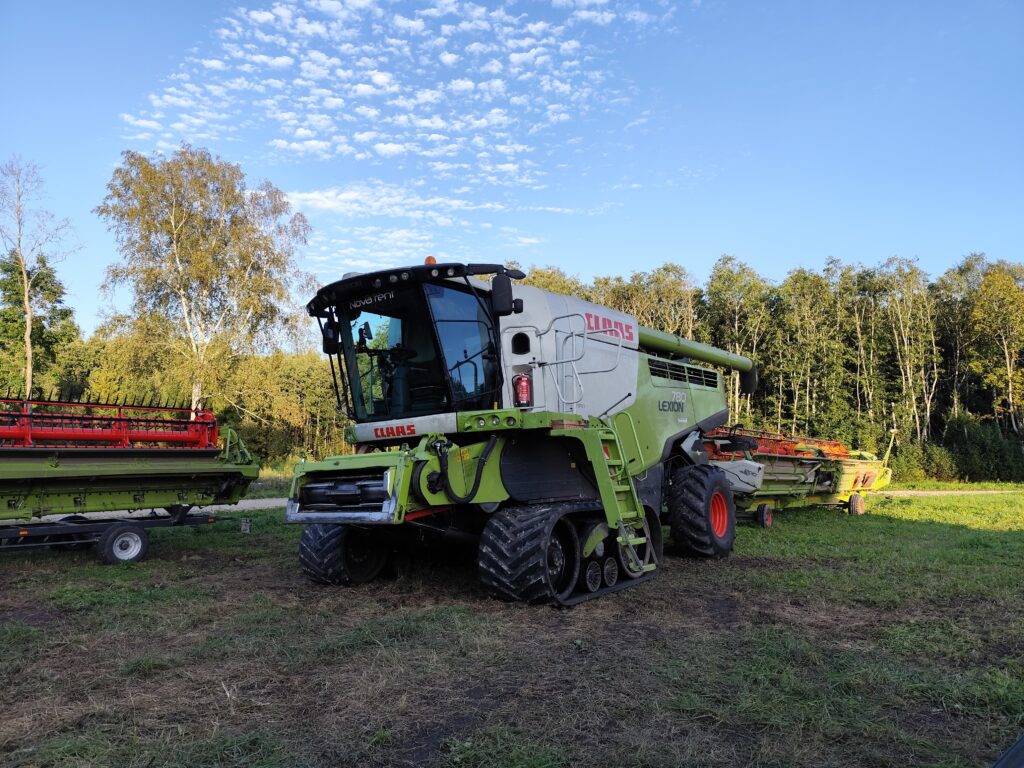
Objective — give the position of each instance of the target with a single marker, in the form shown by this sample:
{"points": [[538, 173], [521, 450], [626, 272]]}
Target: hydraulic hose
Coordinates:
{"points": [[442, 457]]}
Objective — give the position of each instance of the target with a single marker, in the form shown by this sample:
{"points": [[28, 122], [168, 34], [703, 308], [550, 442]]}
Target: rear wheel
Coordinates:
{"points": [[341, 554], [855, 506], [764, 516], [701, 511]]}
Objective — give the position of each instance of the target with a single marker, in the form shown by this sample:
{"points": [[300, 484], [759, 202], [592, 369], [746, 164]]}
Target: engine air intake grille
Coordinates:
{"points": [[664, 369]]}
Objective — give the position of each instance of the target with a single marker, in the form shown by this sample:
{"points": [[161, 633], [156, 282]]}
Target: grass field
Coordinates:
{"points": [[894, 639]]}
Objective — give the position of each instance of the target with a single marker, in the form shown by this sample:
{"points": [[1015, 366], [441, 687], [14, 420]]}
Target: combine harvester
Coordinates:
{"points": [[71, 458], [558, 434]]}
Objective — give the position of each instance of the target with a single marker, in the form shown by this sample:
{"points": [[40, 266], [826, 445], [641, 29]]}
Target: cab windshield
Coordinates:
{"points": [[418, 349]]}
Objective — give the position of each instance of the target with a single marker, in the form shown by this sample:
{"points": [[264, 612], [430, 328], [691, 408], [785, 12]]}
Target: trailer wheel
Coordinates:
{"points": [[530, 553], [341, 554], [763, 515], [855, 506], [123, 543], [701, 511]]}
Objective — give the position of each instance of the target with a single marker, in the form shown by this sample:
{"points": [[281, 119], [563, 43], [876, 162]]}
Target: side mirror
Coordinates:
{"points": [[332, 341], [501, 295]]}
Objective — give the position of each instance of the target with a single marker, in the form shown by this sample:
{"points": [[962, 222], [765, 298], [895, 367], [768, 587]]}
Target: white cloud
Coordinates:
{"points": [[140, 123], [528, 58], [444, 87], [275, 62], [390, 149], [409, 26], [378, 198], [601, 18]]}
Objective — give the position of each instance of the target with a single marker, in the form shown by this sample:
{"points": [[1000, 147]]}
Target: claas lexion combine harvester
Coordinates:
{"points": [[61, 460], [559, 434]]}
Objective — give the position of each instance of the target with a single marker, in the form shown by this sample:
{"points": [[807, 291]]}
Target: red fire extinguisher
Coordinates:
{"points": [[522, 385]]}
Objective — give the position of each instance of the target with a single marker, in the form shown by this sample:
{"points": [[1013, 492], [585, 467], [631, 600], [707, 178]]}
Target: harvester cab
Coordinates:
{"points": [[557, 433]]}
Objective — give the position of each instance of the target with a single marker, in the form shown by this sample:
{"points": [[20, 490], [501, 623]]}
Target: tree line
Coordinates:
{"points": [[848, 351]]}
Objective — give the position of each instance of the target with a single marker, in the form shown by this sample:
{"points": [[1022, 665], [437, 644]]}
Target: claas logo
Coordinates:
{"points": [[402, 430], [599, 324]]}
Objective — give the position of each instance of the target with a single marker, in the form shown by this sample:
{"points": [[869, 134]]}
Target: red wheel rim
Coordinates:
{"points": [[719, 514]]}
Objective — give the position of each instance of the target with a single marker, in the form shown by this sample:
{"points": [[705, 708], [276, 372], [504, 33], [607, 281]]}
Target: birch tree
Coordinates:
{"points": [[204, 250], [998, 320], [32, 238], [739, 312]]}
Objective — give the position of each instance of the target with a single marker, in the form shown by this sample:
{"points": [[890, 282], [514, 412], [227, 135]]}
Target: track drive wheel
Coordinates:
{"points": [[855, 506], [764, 516], [341, 554], [531, 553], [701, 511], [123, 543]]}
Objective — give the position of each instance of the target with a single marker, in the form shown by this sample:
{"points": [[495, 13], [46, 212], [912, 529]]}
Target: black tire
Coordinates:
{"points": [[123, 543], [341, 554], [519, 550], [856, 506], [695, 498], [764, 516]]}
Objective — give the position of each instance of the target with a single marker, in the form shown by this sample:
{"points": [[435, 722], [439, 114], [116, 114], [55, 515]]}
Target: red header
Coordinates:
{"points": [[52, 424]]}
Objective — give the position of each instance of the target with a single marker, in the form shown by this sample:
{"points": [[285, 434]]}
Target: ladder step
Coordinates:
{"points": [[632, 540], [622, 487]]}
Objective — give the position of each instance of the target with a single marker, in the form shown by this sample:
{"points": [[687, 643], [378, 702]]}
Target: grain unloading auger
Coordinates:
{"points": [[557, 432]]}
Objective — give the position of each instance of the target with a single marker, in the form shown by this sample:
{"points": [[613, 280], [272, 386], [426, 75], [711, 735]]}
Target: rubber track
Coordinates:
{"points": [[513, 550], [688, 519], [320, 554]]}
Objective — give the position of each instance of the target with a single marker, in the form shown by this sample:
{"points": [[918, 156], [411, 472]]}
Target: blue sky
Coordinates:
{"points": [[600, 136]]}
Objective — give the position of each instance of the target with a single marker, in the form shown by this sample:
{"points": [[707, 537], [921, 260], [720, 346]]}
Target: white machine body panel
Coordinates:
{"points": [[568, 346]]}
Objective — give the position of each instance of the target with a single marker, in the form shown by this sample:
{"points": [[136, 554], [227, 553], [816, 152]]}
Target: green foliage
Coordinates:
{"points": [[205, 256], [982, 452], [53, 326]]}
